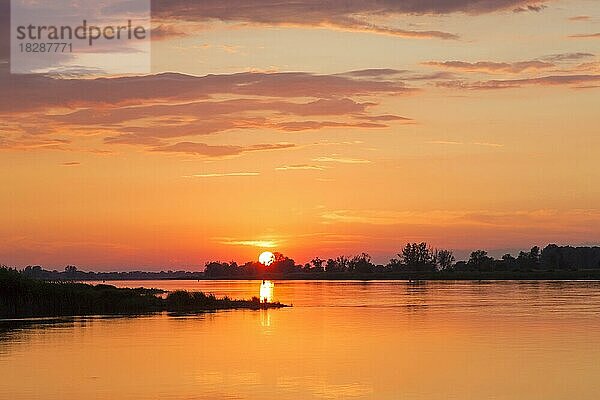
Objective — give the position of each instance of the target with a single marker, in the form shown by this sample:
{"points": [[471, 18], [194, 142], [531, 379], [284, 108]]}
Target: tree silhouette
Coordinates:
{"points": [[445, 259], [361, 263], [418, 257], [317, 264], [479, 260]]}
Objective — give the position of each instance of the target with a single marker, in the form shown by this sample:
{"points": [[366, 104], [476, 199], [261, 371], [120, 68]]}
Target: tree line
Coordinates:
{"points": [[422, 258], [413, 258]]}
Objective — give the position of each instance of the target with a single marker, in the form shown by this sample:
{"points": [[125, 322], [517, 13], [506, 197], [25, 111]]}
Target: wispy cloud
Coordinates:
{"points": [[585, 36], [456, 143], [388, 217], [352, 16], [553, 80], [449, 142], [297, 126], [205, 150], [269, 244], [546, 217], [301, 167], [342, 160], [580, 18], [530, 7], [155, 111], [220, 175], [567, 56], [492, 66], [43, 92], [32, 142], [488, 144]]}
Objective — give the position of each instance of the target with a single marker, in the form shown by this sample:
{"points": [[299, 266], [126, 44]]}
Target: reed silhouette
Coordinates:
{"points": [[21, 296]]}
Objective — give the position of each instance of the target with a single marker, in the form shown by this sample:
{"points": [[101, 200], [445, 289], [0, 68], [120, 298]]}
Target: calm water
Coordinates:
{"points": [[341, 340]]}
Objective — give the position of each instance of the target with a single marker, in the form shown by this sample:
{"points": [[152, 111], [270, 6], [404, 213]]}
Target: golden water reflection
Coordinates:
{"points": [[265, 318], [383, 340], [266, 291]]}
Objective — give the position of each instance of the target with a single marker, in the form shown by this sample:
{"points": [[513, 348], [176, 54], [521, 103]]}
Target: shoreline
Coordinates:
{"points": [[23, 297], [400, 276]]}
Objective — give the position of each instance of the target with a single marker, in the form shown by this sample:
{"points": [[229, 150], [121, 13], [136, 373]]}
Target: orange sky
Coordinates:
{"points": [[311, 130]]}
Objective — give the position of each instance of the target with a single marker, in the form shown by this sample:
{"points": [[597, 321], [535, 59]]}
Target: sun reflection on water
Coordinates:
{"points": [[265, 318], [266, 291]]}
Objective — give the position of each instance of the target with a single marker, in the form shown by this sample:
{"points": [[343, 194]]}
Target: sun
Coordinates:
{"points": [[266, 258]]}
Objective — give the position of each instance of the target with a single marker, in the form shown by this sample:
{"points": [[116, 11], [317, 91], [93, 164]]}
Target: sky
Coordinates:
{"points": [[311, 129]]}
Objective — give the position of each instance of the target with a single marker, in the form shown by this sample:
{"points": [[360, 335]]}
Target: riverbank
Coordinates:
{"points": [[565, 275], [22, 297]]}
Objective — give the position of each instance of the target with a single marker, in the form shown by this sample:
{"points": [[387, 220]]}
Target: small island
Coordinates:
{"points": [[23, 297]]}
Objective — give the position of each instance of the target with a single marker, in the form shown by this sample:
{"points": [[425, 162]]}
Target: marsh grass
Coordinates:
{"points": [[22, 297]]}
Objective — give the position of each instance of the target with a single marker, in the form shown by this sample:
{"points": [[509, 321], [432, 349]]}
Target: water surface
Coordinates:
{"points": [[341, 340]]}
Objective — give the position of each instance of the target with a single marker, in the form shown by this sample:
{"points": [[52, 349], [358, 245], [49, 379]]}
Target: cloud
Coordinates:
{"points": [[147, 124], [349, 16], [152, 110], [580, 18], [211, 109], [567, 56], [167, 31], [296, 126], [585, 36], [221, 175], [492, 67], [318, 12], [587, 67], [549, 218], [300, 167], [553, 80], [205, 150], [488, 144], [342, 160], [31, 142], [35, 92], [455, 143], [385, 118], [449, 142], [358, 26], [386, 217], [269, 244], [530, 7], [375, 73]]}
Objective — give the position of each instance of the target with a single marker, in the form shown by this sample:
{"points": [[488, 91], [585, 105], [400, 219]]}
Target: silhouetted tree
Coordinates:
{"points": [[282, 264], [552, 257], [317, 264], [214, 269], [569, 257], [480, 261], [340, 264], [361, 263], [445, 259], [534, 255], [418, 257], [529, 260], [70, 272], [508, 263]]}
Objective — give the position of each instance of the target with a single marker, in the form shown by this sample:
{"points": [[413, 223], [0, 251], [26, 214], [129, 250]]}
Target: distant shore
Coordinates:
{"points": [[416, 261], [401, 276], [580, 274]]}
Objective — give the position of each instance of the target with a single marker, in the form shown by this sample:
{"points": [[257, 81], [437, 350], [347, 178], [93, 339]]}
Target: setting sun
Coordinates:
{"points": [[266, 258]]}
